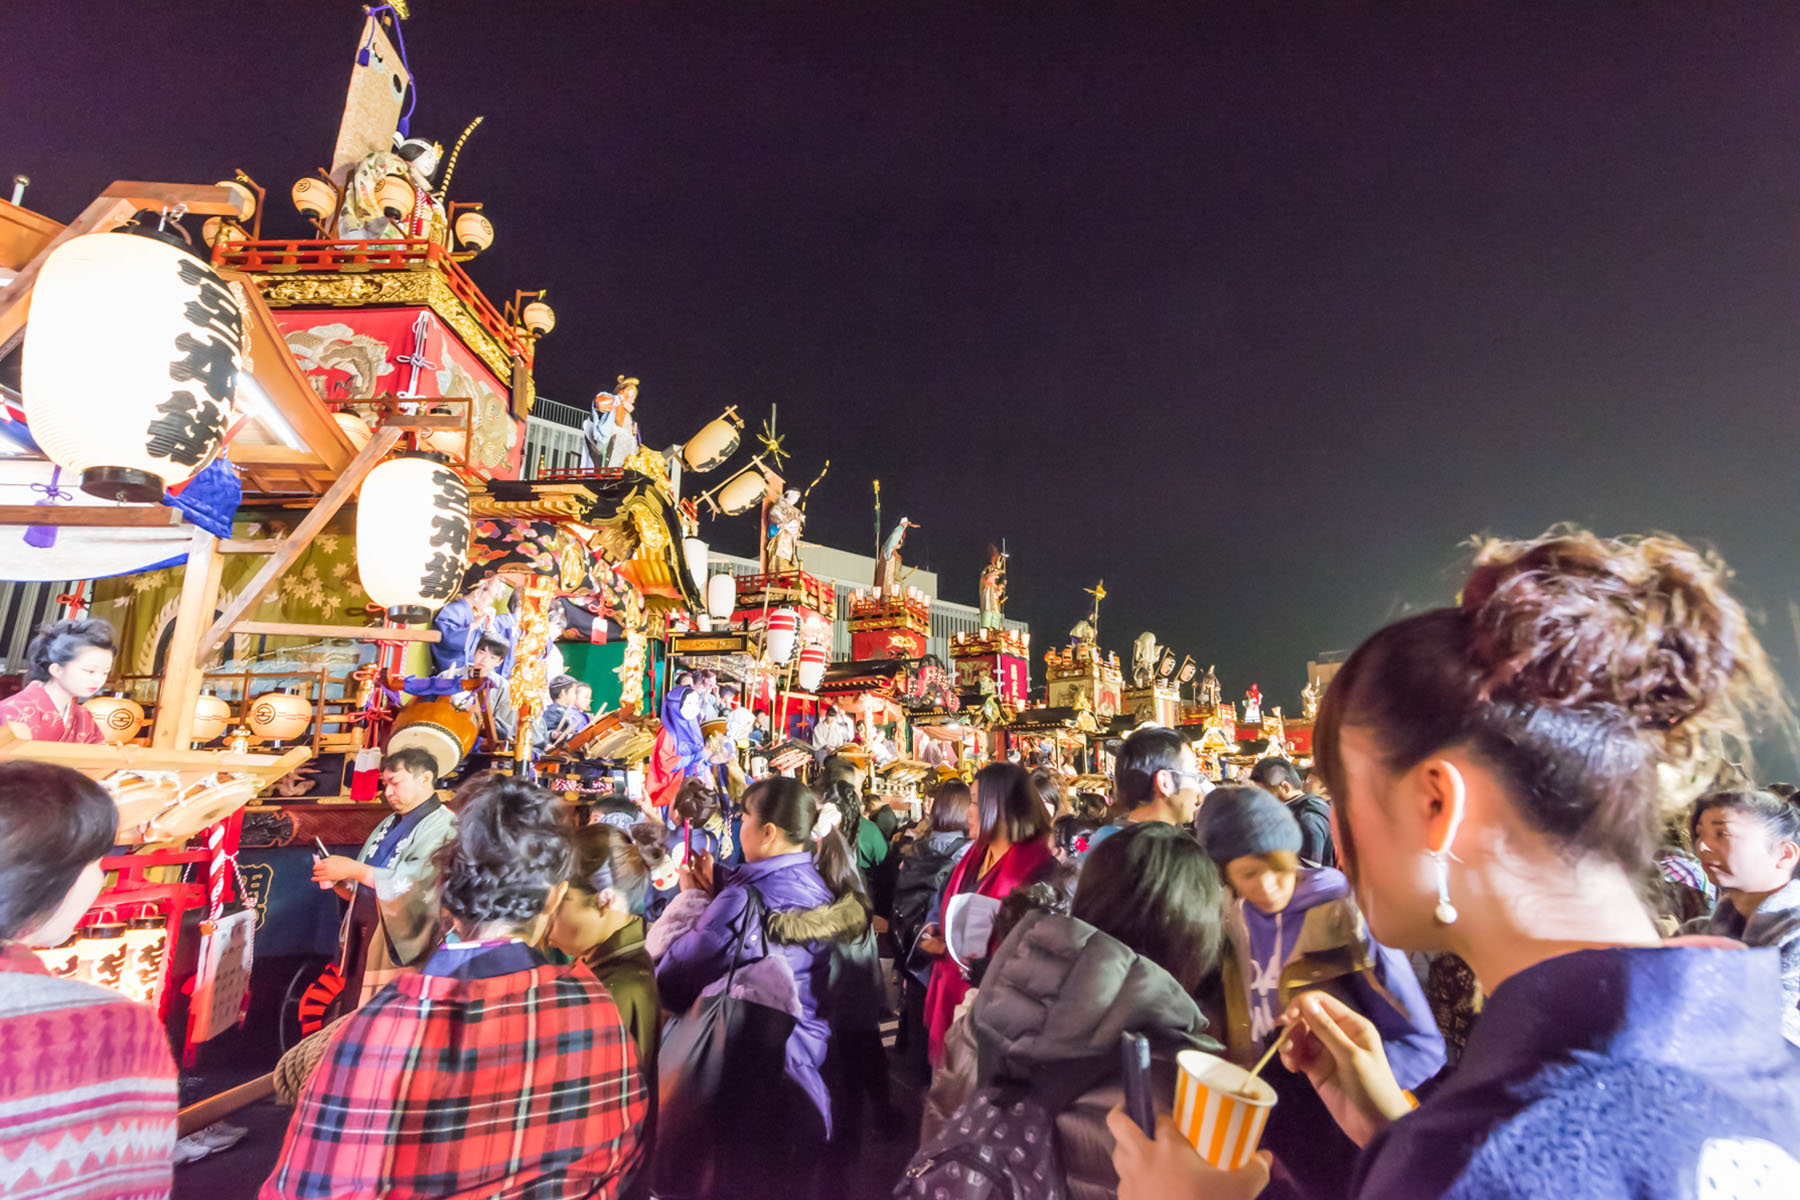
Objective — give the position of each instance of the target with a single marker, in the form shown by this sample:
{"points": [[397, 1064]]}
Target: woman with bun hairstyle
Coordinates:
{"points": [[601, 922], [67, 662], [770, 928], [1748, 843], [493, 1071], [1496, 770]]}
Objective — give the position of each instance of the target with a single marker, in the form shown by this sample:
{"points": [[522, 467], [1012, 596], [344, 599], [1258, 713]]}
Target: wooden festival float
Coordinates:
{"points": [[339, 456]]}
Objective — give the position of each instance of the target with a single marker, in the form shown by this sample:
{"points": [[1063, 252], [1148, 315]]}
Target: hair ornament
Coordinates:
{"points": [[829, 819]]}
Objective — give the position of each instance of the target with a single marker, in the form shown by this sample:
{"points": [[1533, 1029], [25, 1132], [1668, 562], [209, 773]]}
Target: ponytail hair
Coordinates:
{"points": [[56, 643], [790, 806]]}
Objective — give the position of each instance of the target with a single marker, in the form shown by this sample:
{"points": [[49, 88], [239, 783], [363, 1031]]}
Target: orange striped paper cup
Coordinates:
{"points": [[1220, 1108]]}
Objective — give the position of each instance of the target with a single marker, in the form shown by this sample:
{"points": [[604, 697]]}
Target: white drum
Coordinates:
{"points": [[445, 750]]}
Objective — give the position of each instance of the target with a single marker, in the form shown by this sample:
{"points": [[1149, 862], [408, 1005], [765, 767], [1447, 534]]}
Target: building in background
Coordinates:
{"points": [[552, 437], [848, 572]]}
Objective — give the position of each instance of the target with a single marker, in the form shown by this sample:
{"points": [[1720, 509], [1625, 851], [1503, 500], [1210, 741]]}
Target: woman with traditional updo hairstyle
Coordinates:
{"points": [[490, 1035], [1495, 768], [66, 663], [601, 922]]}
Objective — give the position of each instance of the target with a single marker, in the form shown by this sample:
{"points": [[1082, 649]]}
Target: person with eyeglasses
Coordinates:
{"points": [[1156, 777]]}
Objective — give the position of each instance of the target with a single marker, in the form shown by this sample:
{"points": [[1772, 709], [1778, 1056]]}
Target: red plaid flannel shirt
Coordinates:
{"points": [[524, 1084]]}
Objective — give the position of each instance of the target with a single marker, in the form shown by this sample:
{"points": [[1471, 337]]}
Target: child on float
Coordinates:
{"points": [[1290, 928], [67, 662]]}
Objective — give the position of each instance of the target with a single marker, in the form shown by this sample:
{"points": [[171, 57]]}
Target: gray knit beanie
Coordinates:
{"points": [[1240, 820]]}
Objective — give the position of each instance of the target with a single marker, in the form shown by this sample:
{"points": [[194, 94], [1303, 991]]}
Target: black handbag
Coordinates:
{"points": [[720, 1065]]}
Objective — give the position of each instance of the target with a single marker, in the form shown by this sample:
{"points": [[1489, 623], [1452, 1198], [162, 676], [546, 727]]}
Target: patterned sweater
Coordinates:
{"points": [[87, 1089]]}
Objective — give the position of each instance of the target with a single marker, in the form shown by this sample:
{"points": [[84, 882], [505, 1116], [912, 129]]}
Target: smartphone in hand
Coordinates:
{"points": [[1134, 1062]]}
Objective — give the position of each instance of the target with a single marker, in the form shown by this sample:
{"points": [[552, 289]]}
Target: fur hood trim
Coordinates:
{"points": [[843, 920]]}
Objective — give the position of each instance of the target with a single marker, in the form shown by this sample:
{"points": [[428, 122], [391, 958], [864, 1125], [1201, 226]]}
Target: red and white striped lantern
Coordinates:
{"points": [[784, 629], [812, 667]]}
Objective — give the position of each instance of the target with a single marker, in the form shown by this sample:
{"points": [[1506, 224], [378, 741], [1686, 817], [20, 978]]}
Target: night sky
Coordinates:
{"points": [[1257, 311]]}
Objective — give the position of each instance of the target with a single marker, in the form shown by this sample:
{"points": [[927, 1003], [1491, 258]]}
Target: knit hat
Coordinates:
{"points": [[1238, 821]]}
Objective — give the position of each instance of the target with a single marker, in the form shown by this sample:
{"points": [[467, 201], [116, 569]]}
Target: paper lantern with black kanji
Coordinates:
{"points": [[412, 535], [130, 363]]}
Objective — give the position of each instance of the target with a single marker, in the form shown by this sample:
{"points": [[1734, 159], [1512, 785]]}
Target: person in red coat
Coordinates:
{"points": [[1011, 848], [68, 661], [492, 1071]]}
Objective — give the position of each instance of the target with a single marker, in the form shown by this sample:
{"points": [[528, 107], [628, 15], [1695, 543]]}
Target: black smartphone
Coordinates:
{"points": [[1134, 1056]]}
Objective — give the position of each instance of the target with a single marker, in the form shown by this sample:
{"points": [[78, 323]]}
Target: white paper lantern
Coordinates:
{"points": [[315, 198], [412, 535], [474, 231], [131, 362], [694, 550], [721, 597], [539, 318]]}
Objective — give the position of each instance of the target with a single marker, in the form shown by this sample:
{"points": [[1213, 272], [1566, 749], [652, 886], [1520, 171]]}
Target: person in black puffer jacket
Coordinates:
{"points": [[1142, 935], [924, 866]]}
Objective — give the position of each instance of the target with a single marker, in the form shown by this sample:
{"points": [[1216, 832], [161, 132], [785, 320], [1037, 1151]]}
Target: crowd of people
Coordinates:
{"points": [[1527, 929]]}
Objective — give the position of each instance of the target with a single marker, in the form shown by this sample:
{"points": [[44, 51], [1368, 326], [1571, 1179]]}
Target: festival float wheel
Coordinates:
{"points": [[309, 998]]}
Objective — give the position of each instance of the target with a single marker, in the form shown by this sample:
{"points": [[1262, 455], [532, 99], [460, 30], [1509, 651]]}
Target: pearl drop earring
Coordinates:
{"points": [[1445, 911]]}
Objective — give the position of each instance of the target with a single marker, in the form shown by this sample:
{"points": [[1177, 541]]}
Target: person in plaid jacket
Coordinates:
{"points": [[492, 1072]]}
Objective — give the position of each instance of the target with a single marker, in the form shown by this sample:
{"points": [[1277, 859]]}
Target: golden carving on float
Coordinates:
{"points": [[394, 287], [541, 508], [652, 534], [649, 463]]}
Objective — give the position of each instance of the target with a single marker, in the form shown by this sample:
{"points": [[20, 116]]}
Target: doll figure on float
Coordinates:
{"points": [[609, 436], [993, 589], [680, 749], [388, 195], [781, 533]]}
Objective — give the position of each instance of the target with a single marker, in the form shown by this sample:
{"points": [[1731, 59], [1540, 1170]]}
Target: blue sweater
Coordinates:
{"points": [[1620, 1074]]}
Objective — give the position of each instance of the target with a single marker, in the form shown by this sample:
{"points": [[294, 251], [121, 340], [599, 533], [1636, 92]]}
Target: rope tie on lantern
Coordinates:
{"points": [[42, 537]]}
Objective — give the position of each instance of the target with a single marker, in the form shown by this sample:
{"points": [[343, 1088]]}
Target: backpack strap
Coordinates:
{"points": [[755, 915]]}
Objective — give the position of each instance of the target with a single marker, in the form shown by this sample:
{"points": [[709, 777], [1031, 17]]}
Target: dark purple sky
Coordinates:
{"points": [[1257, 311]]}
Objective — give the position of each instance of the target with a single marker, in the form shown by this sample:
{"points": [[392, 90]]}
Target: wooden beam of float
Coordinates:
{"points": [[295, 544], [151, 516], [180, 690], [109, 210]]}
